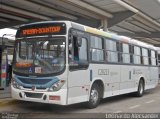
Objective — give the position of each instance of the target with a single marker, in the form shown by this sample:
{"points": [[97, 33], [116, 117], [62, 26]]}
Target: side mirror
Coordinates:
{"points": [[79, 41]]}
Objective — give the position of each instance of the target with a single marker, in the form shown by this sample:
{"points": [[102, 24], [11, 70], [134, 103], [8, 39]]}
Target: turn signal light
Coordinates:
{"points": [[54, 97]]}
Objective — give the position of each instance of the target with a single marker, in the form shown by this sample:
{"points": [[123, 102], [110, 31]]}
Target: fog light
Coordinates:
{"points": [[54, 97], [20, 95], [45, 97]]}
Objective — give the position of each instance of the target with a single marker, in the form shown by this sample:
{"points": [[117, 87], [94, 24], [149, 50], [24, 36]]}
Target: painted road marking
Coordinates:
{"points": [[135, 106], [118, 111], [150, 101]]}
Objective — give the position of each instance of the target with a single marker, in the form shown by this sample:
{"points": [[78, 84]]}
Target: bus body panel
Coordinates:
{"points": [[78, 86], [113, 84]]}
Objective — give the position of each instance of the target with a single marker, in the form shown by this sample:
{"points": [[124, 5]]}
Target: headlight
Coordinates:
{"points": [[16, 85], [57, 86]]}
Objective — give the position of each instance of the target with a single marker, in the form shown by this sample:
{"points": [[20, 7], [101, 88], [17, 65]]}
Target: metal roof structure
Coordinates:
{"points": [[139, 19]]}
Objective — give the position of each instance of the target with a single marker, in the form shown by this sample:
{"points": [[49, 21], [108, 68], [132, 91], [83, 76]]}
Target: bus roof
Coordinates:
{"points": [[95, 31], [123, 39]]}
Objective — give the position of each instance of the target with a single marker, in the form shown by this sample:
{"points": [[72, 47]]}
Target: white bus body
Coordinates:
{"points": [[112, 65]]}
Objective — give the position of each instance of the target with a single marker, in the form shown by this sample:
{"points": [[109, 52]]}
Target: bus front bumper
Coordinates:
{"points": [[58, 97]]}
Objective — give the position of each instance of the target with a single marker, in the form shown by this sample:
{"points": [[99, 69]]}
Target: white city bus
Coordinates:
{"points": [[62, 62]]}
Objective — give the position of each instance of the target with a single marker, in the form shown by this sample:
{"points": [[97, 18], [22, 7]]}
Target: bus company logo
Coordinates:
{"points": [[33, 88]]}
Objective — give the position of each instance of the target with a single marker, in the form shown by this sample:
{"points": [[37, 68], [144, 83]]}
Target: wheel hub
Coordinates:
{"points": [[94, 96]]}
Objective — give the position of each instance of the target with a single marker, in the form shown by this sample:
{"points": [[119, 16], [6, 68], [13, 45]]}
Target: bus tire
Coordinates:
{"points": [[140, 90], [94, 97]]}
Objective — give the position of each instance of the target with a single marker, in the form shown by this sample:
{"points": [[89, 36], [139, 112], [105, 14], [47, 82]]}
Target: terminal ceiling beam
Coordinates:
{"points": [[128, 29], [118, 17], [141, 34], [141, 24], [12, 23], [20, 11], [13, 17], [89, 22], [91, 8], [133, 9], [63, 5], [150, 41], [146, 23], [7, 25], [4, 20], [43, 8], [143, 29]]}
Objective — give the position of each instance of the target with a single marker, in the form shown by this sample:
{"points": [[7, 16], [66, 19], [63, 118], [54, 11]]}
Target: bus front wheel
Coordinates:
{"points": [[94, 97]]}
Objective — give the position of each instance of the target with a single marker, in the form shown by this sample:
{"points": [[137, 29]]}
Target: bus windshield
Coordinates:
{"points": [[39, 56]]}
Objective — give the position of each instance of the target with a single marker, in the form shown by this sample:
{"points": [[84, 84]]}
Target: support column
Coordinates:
{"points": [[105, 25]]}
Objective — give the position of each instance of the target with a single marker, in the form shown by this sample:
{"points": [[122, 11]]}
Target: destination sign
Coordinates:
{"points": [[42, 29], [51, 29]]}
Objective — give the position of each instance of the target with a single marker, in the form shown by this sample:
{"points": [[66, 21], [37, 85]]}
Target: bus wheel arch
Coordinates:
{"points": [[143, 80], [96, 93]]}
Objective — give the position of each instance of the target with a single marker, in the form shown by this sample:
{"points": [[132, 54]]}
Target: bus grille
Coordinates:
{"points": [[34, 81], [33, 95], [41, 88]]}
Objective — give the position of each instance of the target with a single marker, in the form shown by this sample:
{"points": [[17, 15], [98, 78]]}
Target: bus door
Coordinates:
{"points": [[4, 68], [78, 76]]}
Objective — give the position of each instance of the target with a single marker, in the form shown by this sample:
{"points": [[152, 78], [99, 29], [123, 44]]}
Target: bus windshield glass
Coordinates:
{"points": [[39, 56]]}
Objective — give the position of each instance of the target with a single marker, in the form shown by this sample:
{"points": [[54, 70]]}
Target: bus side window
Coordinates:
{"points": [[75, 49], [79, 52], [83, 50], [79, 49]]}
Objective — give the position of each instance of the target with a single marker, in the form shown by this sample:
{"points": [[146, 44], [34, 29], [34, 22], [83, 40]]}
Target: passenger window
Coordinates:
{"points": [[79, 51], [137, 55], [96, 42], [153, 57], [83, 50], [145, 58], [97, 51], [111, 51], [125, 55]]}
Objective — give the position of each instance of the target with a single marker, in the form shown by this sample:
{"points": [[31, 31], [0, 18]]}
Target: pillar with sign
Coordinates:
{"points": [[4, 68]]}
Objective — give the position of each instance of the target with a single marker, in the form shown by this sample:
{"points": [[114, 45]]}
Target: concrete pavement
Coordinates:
{"points": [[149, 103]]}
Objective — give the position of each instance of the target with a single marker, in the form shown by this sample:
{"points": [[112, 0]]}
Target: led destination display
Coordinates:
{"points": [[42, 29]]}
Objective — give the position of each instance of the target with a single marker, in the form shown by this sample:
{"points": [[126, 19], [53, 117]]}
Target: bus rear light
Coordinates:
{"points": [[51, 97]]}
